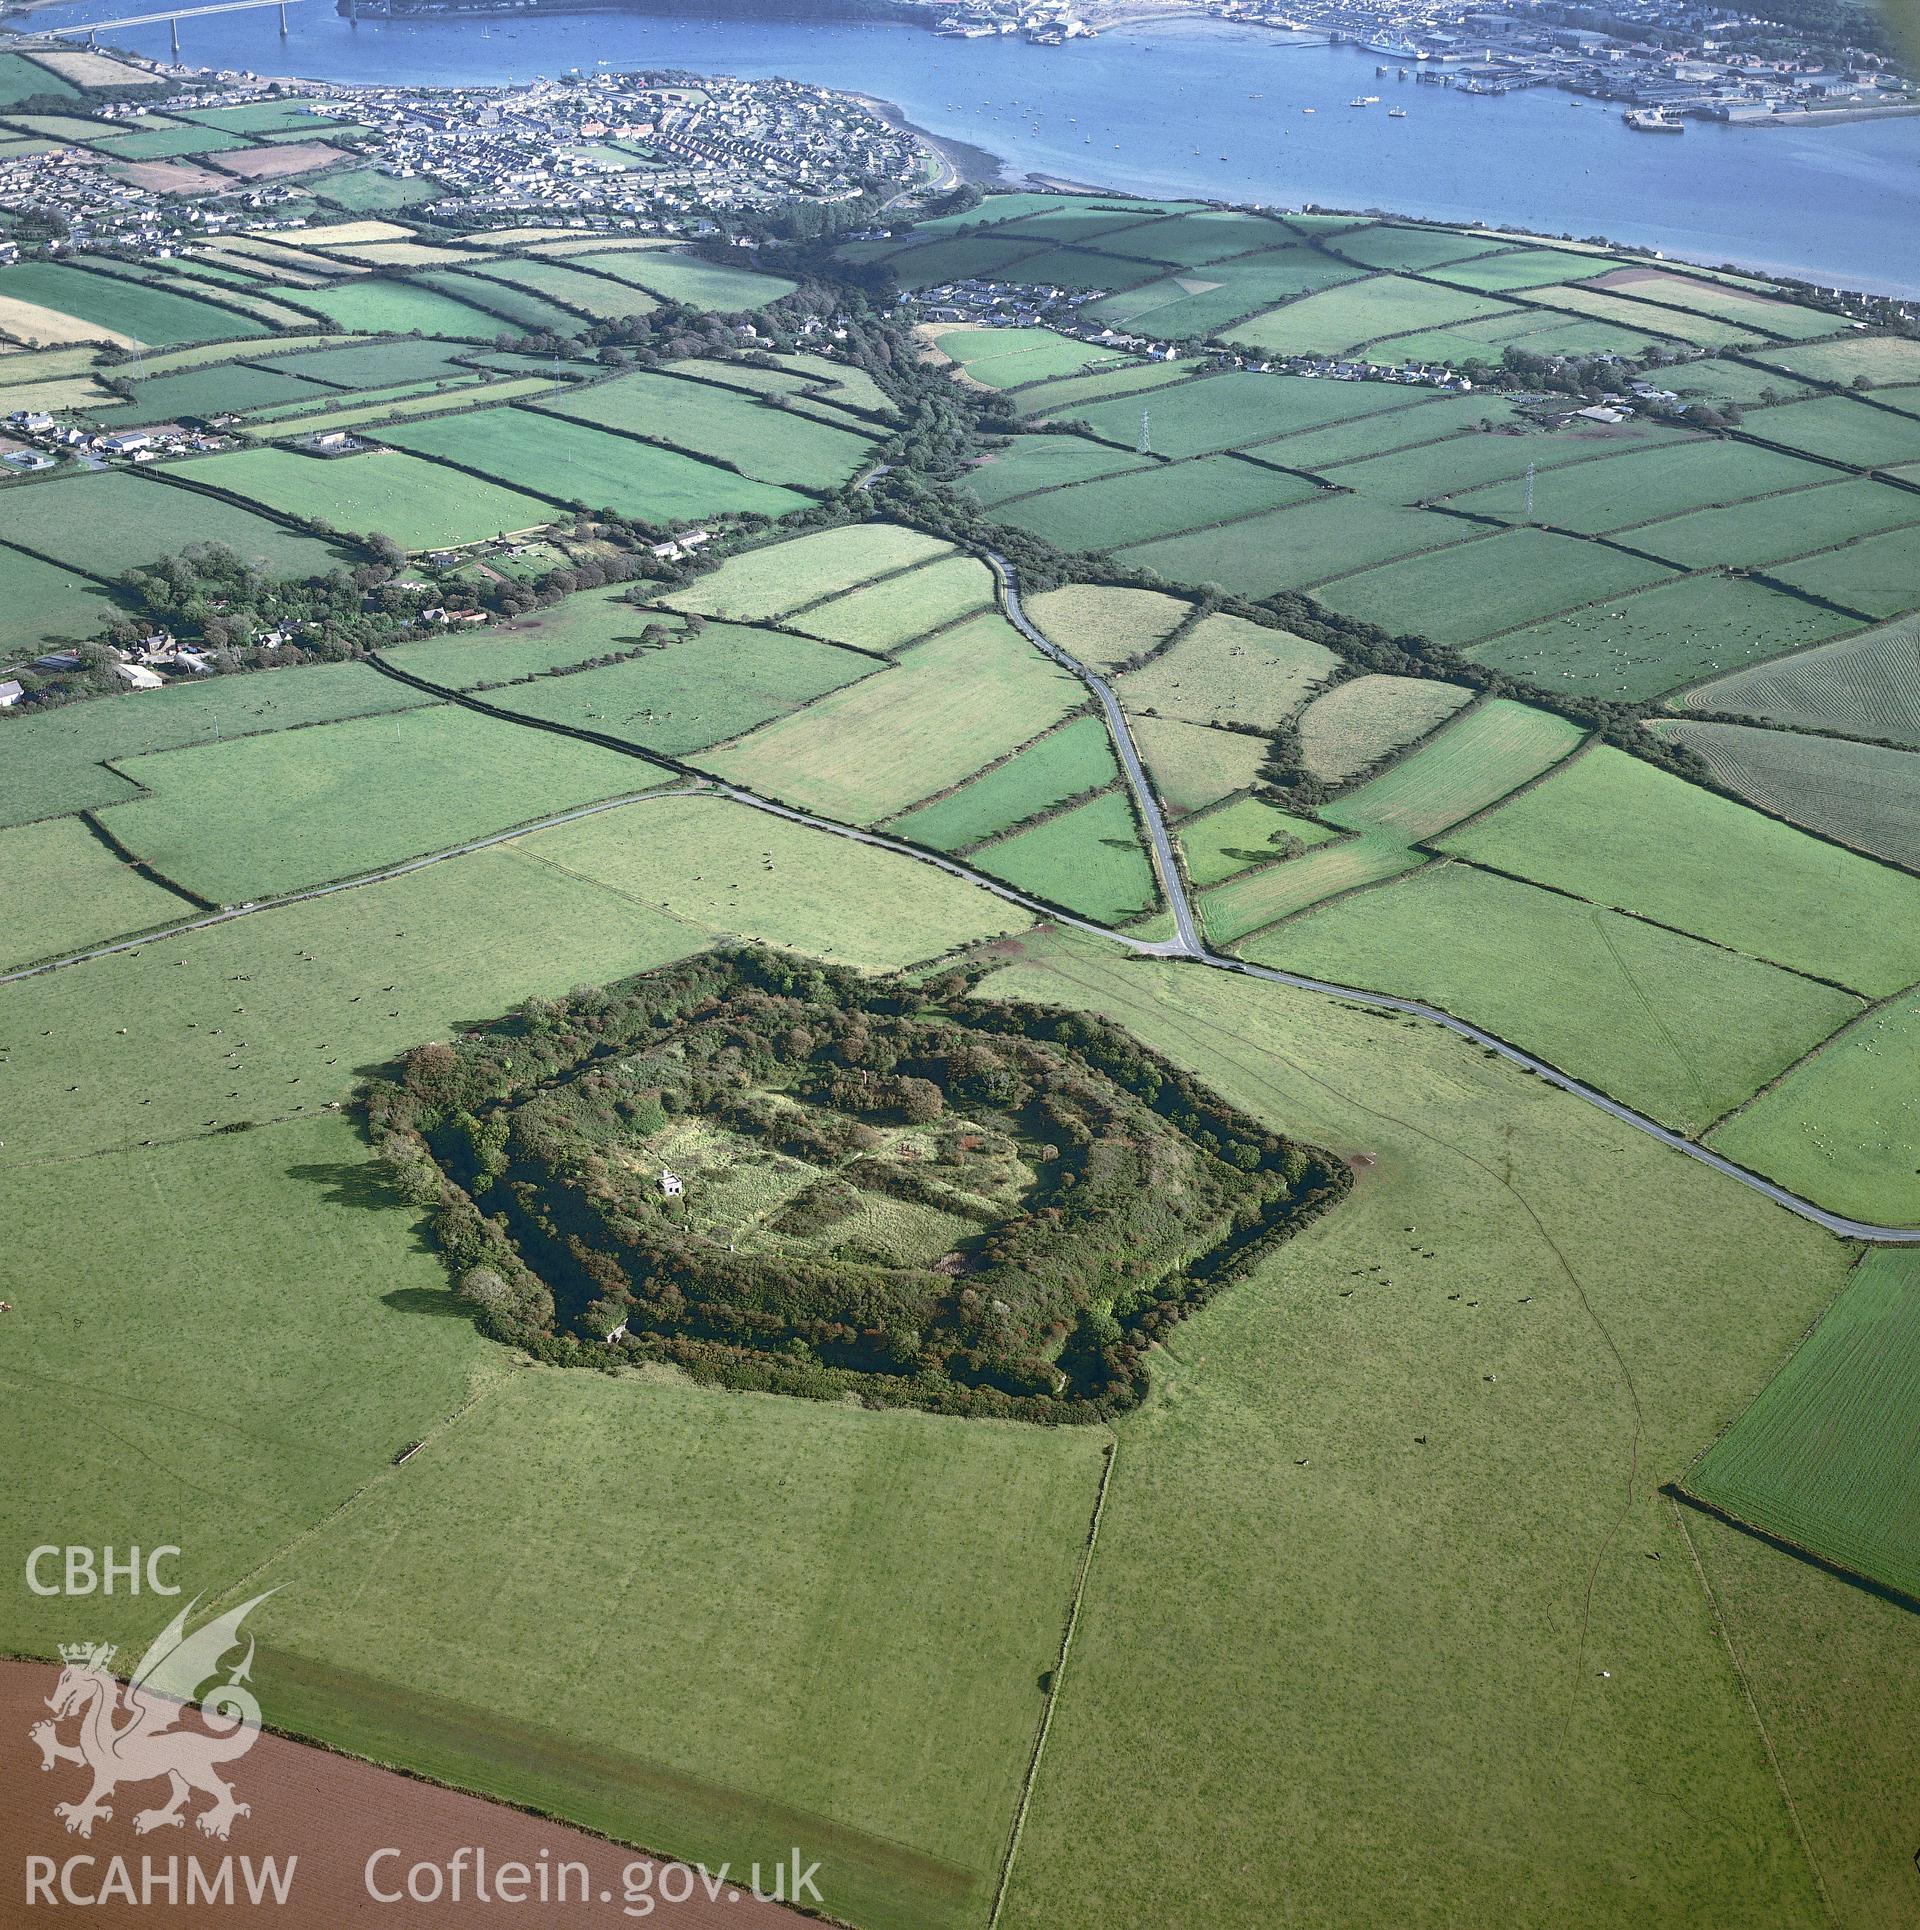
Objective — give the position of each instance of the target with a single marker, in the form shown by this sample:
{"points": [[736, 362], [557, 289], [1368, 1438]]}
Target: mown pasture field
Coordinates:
{"points": [[57, 759], [734, 872], [1357, 723], [948, 706], [358, 366], [714, 1766], [1865, 795], [1865, 686], [891, 614], [1824, 1458], [421, 505], [47, 606], [1218, 845], [374, 306], [1193, 766], [257, 816], [368, 191], [1840, 429], [516, 308], [1254, 900], [1187, 240], [594, 296], [694, 690], [1499, 274], [1660, 638], [1141, 379], [399, 408], [779, 578], [1105, 627], [69, 891], [1235, 410], [1679, 1029], [1779, 526], [1841, 1128], [1879, 575], [1290, 1419], [1883, 361], [1619, 832], [1750, 308], [569, 462], [1417, 249], [1089, 859], [1043, 462], [132, 519], [1009, 358], [1646, 318], [1326, 537], [768, 443], [1339, 320], [138, 310], [1140, 504], [1464, 461], [1066, 763], [1207, 298], [591, 623], [1379, 430], [718, 287], [1659, 480], [1228, 670], [205, 392], [1482, 588]]}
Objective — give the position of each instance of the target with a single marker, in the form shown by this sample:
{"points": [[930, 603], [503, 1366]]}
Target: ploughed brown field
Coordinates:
{"points": [[326, 1815]]}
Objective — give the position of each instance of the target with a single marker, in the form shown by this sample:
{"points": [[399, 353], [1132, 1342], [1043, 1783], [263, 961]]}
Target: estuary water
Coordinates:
{"points": [[1208, 109]]}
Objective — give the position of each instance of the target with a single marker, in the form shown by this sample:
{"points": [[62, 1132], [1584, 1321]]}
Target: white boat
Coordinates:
{"points": [[1396, 113]]}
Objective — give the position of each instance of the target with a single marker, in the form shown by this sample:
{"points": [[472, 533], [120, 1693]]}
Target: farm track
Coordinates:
{"points": [[1187, 945]]}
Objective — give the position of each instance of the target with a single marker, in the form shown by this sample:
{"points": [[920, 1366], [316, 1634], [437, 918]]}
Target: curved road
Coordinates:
{"points": [[1192, 946], [1186, 946]]}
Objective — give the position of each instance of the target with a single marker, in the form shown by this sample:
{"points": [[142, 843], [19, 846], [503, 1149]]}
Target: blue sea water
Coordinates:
{"points": [[1207, 109]]}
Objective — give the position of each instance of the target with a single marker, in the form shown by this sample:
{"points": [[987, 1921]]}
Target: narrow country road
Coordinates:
{"points": [[1190, 945]]}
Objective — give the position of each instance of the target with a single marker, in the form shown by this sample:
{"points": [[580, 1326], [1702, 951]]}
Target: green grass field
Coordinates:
{"points": [[1867, 686], [718, 287], [1220, 844], [359, 366], [904, 607], [148, 314], [257, 816], [714, 1766], [1679, 1029], [421, 505], [1500, 274], [1660, 638], [573, 463], [1300, 546], [1359, 722], [204, 392], [1879, 575], [596, 297], [1480, 589], [1465, 461], [1864, 795], [1010, 358], [132, 519], [1842, 430], [1103, 627], [1417, 249], [57, 759], [1621, 833], [1043, 462], [1824, 1458], [1790, 525], [1089, 859], [374, 306], [772, 444], [1485, 753], [1076, 758], [1498, 1565], [396, 407], [47, 606], [1140, 379], [1342, 319], [1228, 670], [1193, 766], [1206, 298], [952, 704], [694, 691], [70, 891], [1841, 1128], [1140, 504], [368, 191], [1659, 480], [1231, 411], [778, 578]]}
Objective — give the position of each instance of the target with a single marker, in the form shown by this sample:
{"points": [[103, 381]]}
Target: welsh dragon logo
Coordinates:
{"points": [[139, 1734]]}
